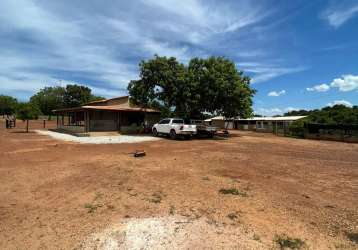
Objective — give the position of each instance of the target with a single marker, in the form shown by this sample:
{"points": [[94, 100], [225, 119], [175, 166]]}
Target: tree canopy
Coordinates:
{"points": [[211, 85], [50, 98], [338, 114], [76, 95], [27, 111], [8, 105]]}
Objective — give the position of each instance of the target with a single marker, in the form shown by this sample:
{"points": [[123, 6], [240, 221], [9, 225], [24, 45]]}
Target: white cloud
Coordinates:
{"points": [[264, 72], [337, 16], [291, 109], [276, 93], [102, 43], [346, 83], [269, 111], [32, 82], [340, 102], [319, 88], [274, 111], [205, 19]]}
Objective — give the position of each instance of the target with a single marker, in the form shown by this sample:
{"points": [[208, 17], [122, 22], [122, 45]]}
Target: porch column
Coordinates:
{"points": [[118, 120], [87, 122]]}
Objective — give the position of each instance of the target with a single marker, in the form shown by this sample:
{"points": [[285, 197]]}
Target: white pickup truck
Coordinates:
{"points": [[174, 127]]}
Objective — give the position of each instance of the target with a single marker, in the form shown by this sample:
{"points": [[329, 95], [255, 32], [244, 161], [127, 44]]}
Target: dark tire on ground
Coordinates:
{"points": [[173, 135], [155, 132]]}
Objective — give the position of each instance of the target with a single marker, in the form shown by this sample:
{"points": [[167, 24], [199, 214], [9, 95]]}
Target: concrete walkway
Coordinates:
{"points": [[115, 139]]}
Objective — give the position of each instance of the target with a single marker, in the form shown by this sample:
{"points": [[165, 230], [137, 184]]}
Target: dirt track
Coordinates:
{"points": [[57, 195]]}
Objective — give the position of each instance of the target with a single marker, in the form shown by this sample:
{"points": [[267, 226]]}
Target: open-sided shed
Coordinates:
{"points": [[277, 125]]}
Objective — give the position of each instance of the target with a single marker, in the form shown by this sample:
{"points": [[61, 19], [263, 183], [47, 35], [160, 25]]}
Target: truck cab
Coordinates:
{"points": [[174, 127]]}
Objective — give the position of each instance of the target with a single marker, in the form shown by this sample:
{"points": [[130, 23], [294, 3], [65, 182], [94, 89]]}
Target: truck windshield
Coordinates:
{"points": [[178, 121]]}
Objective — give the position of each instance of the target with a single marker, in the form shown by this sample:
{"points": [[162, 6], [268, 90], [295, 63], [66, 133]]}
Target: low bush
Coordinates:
{"points": [[286, 242], [233, 191]]}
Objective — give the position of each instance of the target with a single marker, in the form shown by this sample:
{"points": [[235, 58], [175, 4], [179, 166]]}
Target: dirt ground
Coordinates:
{"points": [[251, 191]]}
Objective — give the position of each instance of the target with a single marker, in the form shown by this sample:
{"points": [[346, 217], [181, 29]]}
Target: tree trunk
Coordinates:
{"points": [[27, 126]]}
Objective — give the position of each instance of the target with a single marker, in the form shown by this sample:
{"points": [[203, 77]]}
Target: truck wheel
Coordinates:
{"points": [[173, 135], [155, 132]]}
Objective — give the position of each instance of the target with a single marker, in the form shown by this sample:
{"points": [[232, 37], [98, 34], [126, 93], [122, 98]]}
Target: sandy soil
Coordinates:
{"points": [[64, 195]]}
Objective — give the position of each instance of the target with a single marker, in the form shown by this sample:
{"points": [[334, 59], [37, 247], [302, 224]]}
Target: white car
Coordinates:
{"points": [[174, 127]]}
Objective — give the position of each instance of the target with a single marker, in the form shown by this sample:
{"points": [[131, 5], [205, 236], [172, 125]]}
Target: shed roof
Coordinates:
{"points": [[104, 105], [217, 118], [276, 118], [120, 107], [267, 118]]}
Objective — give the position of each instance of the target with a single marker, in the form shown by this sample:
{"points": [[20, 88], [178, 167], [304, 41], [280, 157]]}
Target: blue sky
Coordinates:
{"points": [[300, 54]]}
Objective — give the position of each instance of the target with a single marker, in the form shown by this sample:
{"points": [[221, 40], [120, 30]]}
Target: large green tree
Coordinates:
{"points": [[219, 88], [76, 95], [48, 99], [159, 83], [51, 98], [27, 111], [211, 85], [8, 105]]}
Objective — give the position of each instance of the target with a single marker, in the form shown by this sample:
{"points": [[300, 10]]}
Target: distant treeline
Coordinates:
{"points": [[338, 114], [47, 100]]}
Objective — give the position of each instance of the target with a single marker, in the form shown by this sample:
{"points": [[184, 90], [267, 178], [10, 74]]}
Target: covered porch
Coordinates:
{"points": [[85, 120]]}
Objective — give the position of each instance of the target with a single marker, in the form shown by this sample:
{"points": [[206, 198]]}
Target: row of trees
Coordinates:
{"points": [[50, 98], [24, 110], [46, 100], [8, 105], [338, 114], [205, 86]]}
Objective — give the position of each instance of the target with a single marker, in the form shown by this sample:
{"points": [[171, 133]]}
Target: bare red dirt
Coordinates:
{"points": [[57, 195]]}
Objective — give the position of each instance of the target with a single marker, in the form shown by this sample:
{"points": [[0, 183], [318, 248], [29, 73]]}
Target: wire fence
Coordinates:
{"points": [[335, 132]]}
